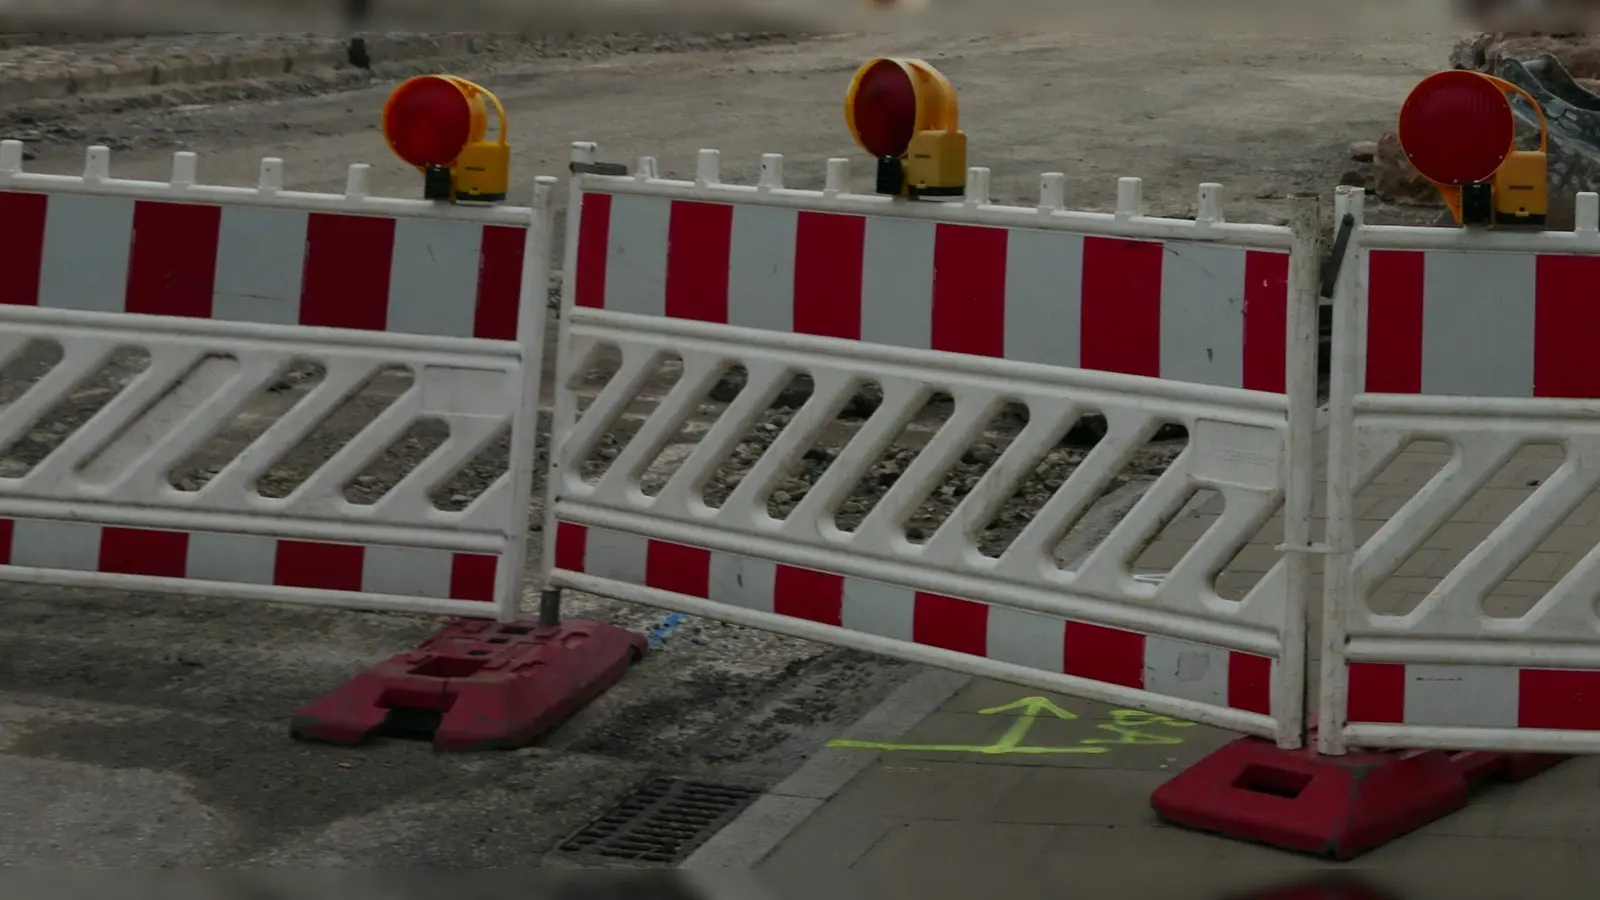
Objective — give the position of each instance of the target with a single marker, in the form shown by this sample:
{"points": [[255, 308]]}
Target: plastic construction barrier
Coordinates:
{"points": [[1478, 343], [222, 392], [1147, 322]]}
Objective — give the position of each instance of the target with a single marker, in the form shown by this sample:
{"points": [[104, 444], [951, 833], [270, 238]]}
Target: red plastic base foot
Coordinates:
{"points": [[485, 685], [1333, 806]]}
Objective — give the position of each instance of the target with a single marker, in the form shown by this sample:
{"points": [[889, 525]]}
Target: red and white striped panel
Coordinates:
{"points": [[247, 559], [447, 278], [1474, 696], [1161, 665], [1188, 311], [1482, 324]]}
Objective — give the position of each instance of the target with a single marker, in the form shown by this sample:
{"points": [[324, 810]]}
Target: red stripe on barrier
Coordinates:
{"points": [[1121, 324], [472, 576], [1266, 320], [594, 238], [969, 289], [678, 568], [950, 623], [346, 275], [808, 594], [144, 551], [1565, 319], [1250, 682], [1563, 699], [699, 241], [1099, 653], [829, 251], [572, 546], [22, 250], [312, 564], [7, 528], [172, 264], [1376, 693], [499, 283], [1395, 281]]}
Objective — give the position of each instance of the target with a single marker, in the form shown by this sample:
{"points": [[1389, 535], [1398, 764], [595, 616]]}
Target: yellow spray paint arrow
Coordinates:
{"points": [[1027, 710]]}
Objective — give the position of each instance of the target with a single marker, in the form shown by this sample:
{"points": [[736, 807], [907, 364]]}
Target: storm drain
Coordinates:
{"points": [[662, 822]]}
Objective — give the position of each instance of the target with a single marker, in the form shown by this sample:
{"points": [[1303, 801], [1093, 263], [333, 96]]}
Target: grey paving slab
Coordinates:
{"points": [[1080, 797], [938, 811], [1097, 736]]}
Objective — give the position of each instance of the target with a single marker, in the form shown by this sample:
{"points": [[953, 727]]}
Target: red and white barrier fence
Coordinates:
{"points": [[230, 295], [225, 292], [1479, 341], [1144, 320]]}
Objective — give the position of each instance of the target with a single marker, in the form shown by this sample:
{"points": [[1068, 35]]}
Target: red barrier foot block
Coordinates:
{"points": [[1326, 887], [1333, 806], [476, 685]]}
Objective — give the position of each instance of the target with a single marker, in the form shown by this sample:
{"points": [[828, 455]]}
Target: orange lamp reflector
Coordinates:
{"points": [[428, 121], [884, 110], [1456, 127]]}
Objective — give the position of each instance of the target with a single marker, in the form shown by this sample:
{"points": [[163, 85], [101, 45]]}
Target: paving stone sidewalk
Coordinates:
{"points": [[940, 825], [934, 821]]}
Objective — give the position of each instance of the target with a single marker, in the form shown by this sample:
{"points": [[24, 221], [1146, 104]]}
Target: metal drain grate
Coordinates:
{"points": [[661, 822]]}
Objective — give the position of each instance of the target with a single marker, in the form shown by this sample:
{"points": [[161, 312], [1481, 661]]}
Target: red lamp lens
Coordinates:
{"points": [[428, 122], [885, 109], [1456, 127]]}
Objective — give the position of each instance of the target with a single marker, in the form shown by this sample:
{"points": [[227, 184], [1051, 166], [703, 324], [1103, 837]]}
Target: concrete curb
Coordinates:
{"points": [[99, 78], [763, 826]]}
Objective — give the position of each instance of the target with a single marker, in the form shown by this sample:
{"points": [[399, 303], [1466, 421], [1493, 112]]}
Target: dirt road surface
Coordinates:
{"points": [[152, 731]]}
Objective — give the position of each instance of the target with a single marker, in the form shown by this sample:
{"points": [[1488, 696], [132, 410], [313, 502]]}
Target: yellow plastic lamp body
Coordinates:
{"points": [[934, 162], [481, 172]]}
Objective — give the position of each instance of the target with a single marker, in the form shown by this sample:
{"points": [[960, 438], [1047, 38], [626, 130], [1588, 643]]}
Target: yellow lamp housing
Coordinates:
{"points": [[924, 153], [1521, 188], [482, 172], [466, 168], [1517, 193]]}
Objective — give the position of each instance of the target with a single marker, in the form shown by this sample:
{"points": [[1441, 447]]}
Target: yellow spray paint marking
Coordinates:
{"points": [[1126, 724]]}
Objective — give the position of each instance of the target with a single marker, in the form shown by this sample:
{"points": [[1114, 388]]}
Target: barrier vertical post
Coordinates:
{"points": [[531, 299], [1344, 381], [565, 410], [1305, 224]]}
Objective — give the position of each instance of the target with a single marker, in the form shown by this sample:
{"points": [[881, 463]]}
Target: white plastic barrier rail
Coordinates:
{"points": [[228, 290], [1481, 341], [1145, 320]]}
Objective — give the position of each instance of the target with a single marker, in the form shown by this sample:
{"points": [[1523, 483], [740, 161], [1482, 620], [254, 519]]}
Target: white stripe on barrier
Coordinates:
{"points": [[1044, 297], [260, 258], [87, 243]]}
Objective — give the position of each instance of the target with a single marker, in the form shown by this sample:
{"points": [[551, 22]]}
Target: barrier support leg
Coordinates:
{"points": [[478, 685], [1337, 807]]}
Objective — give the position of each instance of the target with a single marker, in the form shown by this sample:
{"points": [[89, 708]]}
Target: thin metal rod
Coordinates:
{"points": [[550, 608]]}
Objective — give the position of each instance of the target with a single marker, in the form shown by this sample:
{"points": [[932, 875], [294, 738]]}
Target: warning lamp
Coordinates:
{"points": [[904, 113], [439, 124], [1458, 131]]}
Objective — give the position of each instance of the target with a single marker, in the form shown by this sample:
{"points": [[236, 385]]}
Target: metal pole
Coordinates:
{"points": [[550, 608], [357, 14]]}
